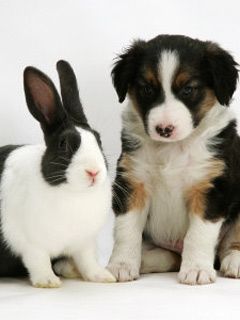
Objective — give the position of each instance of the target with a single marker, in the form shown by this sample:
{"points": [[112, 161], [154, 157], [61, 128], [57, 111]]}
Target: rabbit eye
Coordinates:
{"points": [[69, 142]]}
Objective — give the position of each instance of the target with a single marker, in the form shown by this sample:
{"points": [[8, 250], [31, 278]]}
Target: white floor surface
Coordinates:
{"points": [[155, 296]]}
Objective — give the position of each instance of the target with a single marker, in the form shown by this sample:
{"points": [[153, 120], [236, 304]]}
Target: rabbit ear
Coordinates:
{"points": [[42, 99], [70, 93]]}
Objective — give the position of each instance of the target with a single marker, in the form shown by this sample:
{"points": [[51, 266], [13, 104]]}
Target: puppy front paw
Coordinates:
{"points": [[99, 275], [230, 266], [50, 281], [124, 272], [196, 275]]}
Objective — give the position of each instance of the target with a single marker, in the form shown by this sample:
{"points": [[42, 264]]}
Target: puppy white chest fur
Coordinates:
{"points": [[168, 170]]}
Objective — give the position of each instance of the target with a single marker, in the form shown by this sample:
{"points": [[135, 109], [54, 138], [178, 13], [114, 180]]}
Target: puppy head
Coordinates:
{"points": [[173, 82]]}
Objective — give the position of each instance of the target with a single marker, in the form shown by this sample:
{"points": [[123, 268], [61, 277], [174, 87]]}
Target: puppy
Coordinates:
{"points": [[176, 190]]}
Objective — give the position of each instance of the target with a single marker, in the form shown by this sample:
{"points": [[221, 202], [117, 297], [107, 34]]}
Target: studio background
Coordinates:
{"points": [[89, 34]]}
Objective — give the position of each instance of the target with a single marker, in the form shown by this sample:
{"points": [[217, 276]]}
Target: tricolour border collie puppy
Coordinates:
{"points": [[177, 183]]}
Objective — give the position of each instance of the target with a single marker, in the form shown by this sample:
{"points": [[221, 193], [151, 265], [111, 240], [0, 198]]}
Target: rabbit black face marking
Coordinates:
{"points": [[58, 156], [64, 125]]}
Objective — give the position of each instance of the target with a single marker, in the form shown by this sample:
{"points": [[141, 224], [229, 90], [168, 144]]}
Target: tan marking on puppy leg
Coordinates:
{"points": [[138, 196], [208, 102], [196, 195]]}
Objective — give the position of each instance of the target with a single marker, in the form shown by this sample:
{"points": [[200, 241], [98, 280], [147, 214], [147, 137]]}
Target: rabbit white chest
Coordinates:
{"points": [[54, 218]]}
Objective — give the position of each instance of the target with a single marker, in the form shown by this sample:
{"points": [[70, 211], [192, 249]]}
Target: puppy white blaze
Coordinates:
{"points": [[167, 68], [171, 112]]}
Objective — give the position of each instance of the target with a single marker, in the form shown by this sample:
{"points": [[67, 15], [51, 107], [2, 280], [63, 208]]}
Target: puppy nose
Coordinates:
{"points": [[92, 173], [165, 132]]}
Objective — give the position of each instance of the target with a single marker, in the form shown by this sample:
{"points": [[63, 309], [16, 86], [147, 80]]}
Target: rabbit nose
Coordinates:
{"points": [[92, 173]]}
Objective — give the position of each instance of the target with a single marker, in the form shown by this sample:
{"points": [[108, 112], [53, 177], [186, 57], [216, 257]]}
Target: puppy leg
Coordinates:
{"points": [[229, 252], [155, 259], [199, 252], [87, 265], [39, 266], [126, 256]]}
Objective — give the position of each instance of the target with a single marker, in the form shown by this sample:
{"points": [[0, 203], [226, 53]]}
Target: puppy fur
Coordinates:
{"points": [[177, 181]]}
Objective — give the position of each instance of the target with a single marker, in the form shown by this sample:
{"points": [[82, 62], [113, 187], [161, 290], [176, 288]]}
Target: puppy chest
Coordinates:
{"points": [[168, 217], [169, 177]]}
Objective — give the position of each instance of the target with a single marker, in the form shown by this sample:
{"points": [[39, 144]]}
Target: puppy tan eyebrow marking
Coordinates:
{"points": [[150, 77], [181, 78]]}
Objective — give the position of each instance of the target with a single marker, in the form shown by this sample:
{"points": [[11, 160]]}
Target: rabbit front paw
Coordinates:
{"points": [[46, 281]]}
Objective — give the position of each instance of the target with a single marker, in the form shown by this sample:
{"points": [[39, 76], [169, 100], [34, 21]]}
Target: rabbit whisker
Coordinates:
{"points": [[55, 176], [59, 164], [56, 180], [65, 159], [69, 146], [59, 172], [125, 191], [116, 198]]}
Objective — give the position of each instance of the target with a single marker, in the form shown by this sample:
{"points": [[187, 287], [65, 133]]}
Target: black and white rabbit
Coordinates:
{"points": [[54, 197]]}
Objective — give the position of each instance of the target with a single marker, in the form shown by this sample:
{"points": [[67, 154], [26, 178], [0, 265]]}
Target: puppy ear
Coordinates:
{"points": [[224, 74], [125, 68]]}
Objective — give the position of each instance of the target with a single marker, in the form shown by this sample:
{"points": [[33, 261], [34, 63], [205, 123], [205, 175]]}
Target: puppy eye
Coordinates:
{"points": [[147, 91], [187, 90]]}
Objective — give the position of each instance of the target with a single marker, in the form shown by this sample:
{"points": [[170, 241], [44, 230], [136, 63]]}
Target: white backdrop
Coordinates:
{"points": [[89, 34]]}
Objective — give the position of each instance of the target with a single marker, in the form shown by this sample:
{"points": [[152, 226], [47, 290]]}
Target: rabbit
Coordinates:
{"points": [[54, 196]]}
